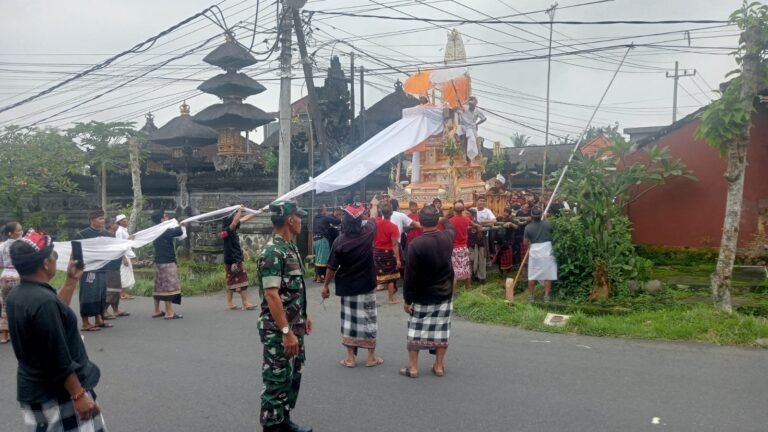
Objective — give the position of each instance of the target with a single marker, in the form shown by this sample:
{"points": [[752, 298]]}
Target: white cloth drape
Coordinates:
{"points": [[418, 123], [541, 262], [99, 251]]}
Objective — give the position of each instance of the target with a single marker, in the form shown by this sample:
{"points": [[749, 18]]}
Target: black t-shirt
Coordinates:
{"points": [[233, 253], [165, 249], [352, 259], [322, 224], [46, 340], [428, 269]]}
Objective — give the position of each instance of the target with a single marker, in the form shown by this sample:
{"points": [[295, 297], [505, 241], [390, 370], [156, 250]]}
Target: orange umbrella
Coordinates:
{"points": [[456, 92], [419, 83]]}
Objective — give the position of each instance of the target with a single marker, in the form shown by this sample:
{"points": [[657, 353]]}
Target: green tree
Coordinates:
{"points": [[105, 149], [33, 162], [609, 131], [726, 125], [601, 185], [519, 140]]}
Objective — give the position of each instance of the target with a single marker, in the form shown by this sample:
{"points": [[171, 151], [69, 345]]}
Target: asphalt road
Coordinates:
{"points": [[202, 373]]}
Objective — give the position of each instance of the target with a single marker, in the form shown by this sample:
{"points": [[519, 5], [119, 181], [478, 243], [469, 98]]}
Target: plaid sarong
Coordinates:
{"points": [[167, 285], [460, 263], [54, 416], [429, 326], [358, 320]]}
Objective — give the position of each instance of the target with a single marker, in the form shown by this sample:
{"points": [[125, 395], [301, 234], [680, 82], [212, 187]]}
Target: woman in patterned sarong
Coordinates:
{"points": [[9, 277]]}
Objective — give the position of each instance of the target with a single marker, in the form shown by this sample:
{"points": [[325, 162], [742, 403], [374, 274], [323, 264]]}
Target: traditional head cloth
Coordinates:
{"points": [[356, 211], [500, 178], [119, 218], [95, 214], [30, 251]]}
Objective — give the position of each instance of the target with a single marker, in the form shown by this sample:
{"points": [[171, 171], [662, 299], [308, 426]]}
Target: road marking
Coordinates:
{"points": [[655, 420], [584, 346], [538, 341]]}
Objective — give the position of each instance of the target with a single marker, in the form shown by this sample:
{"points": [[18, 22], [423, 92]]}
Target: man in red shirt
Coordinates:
{"points": [[460, 256], [414, 216], [386, 253]]}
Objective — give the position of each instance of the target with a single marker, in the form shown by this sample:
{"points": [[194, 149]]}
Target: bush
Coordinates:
{"points": [[677, 256], [577, 254]]}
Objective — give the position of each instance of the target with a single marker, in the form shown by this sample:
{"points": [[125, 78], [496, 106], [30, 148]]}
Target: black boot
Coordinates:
{"points": [[293, 427]]}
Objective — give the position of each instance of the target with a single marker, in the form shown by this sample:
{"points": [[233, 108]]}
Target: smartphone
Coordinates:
{"points": [[77, 254]]}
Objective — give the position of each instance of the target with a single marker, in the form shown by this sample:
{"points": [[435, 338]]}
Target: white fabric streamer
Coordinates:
{"points": [[418, 123], [218, 212], [99, 251]]}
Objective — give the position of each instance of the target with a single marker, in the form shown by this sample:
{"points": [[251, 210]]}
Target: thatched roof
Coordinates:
{"points": [[233, 115], [181, 131], [231, 84], [230, 55]]}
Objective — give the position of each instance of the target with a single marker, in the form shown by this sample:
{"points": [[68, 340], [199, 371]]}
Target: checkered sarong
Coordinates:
{"points": [[54, 416], [358, 320], [430, 325]]}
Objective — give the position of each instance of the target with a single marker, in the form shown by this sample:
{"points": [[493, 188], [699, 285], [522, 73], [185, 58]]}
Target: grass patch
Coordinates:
{"points": [[701, 323], [195, 278]]}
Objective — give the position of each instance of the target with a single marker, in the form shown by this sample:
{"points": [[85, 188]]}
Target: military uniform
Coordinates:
{"points": [[281, 266]]}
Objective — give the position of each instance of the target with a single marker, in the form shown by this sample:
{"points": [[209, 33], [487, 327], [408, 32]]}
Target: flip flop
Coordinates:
{"points": [[4, 341], [438, 374], [375, 363], [251, 307], [233, 307], [90, 329], [348, 365], [123, 314], [106, 325], [173, 317], [109, 317], [158, 315], [407, 373]]}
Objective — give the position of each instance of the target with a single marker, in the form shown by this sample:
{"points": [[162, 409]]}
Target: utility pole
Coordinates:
{"points": [[351, 93], [551, 13], [284, 150], [363, 190], [318, 125], [677, 75]]}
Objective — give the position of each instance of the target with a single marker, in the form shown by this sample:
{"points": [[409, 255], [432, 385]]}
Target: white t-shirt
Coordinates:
{"points": [[485, 215], [401, 220]]}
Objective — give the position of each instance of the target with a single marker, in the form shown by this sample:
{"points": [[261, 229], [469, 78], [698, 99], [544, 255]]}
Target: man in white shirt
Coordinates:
{"points": [[401, 219], [484, 217], [127, 279]]}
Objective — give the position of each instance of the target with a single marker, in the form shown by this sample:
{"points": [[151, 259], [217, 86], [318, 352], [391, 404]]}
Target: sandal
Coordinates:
{"points": [[105, 325], [438, 374], [123, 314], [94, 328], [4, 341], [233, 307], [378, 361], [158, 315], [345, 364], [173, 317], [109, 317], [407, 373]]}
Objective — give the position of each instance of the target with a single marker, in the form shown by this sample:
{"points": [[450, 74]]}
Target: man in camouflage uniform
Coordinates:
{"points": [[283, 321]]}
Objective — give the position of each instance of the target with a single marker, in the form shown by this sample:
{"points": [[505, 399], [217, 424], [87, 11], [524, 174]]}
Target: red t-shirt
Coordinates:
{"points": [[385, 232], [461, 226], [414, 232]]}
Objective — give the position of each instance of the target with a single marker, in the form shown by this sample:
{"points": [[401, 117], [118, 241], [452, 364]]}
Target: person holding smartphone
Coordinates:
{"points": [[55, 378]]}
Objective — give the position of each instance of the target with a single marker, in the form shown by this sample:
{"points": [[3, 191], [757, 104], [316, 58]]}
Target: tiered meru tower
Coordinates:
{"points": [[232, 116]]}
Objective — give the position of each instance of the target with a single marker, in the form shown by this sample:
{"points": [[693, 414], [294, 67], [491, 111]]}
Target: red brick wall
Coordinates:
{"points": [[690, 213]]}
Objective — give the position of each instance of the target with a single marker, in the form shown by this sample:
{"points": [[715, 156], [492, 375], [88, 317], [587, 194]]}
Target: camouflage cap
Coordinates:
{"points": [[286, 208]]}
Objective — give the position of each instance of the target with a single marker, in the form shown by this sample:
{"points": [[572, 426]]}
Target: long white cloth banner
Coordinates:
{"points": [[418, 123], [99, 251], [224, 211]]}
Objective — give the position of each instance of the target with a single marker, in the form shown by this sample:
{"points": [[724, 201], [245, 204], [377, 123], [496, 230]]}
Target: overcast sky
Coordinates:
{"points": [[43, 42]]}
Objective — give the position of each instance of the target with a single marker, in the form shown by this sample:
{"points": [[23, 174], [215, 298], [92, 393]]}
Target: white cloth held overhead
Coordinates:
{"points": [[99, 251], [418, 123]]}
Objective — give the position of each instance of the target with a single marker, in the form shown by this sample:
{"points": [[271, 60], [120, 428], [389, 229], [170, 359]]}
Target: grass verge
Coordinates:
{"points": [[701, 323]]}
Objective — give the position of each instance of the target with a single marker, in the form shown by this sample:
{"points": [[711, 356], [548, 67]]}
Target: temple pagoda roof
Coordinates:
{"points": [[230, 55], [233, 115], [181, 131], [231, 84]]}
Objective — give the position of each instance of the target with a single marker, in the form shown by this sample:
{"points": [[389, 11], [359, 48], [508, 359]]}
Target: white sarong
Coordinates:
{"points": [[541, 262]]}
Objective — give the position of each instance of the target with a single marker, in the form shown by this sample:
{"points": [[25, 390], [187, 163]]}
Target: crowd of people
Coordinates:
{"points": [[362, 248]]}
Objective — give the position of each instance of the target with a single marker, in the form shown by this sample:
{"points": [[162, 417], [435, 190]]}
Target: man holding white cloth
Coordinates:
{"points": [[542, 266]]}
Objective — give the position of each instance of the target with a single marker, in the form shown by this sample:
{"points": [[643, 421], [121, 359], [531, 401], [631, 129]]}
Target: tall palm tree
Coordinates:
{"points": [[519, 140]]}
